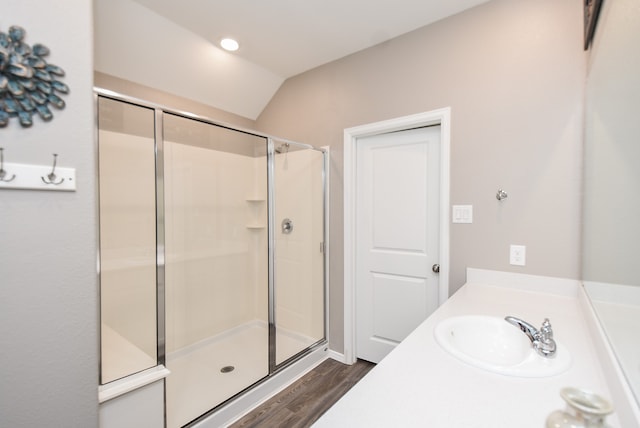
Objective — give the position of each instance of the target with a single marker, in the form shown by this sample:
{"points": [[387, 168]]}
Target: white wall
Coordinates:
{"points": [[513, 73], [48, 286]]}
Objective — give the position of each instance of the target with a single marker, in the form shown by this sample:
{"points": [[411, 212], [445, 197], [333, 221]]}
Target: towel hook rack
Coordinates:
{"points": [[51, 177], [3, 173]]}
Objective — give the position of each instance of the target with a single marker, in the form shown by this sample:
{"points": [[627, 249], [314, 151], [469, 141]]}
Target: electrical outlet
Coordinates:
{"points": [[518, 255]]}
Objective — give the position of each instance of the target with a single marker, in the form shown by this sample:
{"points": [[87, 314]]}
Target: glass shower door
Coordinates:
{"points": [[299, 248], [215, 182]]}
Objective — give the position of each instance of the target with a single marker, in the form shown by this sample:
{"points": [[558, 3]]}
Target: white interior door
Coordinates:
{"points": [[397, 236]]}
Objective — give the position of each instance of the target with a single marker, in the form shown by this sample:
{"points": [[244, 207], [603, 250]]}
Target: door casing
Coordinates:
{"points": [[440, 117]]}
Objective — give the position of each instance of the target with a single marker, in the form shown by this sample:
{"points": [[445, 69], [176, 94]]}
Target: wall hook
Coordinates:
{"points": [[51, 177], [3, 173], [501, 195]]}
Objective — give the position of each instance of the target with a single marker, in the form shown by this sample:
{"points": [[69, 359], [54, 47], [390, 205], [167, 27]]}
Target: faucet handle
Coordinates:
{"points": [[546, 332], [544, 343]]}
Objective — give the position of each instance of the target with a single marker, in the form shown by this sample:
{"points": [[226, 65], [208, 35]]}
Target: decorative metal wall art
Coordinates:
{"points": [[28, 85]]}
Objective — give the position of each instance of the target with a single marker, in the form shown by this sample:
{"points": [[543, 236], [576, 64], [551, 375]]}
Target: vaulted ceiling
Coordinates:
{"points": [[173, 46]]}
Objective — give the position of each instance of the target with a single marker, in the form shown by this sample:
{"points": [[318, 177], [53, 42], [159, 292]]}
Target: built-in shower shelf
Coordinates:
{"points": [[257, 212]]}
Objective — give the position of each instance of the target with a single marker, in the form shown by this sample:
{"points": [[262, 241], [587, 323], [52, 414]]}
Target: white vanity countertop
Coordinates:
{"points": [[421, 385]]}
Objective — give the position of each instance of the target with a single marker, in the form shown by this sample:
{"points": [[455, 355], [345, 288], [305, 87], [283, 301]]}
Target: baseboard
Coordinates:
{"points": [[337, 356]]}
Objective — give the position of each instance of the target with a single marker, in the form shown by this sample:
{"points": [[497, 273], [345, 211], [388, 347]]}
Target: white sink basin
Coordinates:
{"points": [[492, 344]]}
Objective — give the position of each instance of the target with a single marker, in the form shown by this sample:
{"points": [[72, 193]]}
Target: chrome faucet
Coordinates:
{"points": [[541, 340]]}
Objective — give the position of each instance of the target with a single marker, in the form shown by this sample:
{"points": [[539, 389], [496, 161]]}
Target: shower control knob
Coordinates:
{"points": [[287, 226], [436, 268]]}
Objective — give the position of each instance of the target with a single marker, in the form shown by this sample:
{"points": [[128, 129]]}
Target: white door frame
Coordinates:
{"points": [[440, 117]]}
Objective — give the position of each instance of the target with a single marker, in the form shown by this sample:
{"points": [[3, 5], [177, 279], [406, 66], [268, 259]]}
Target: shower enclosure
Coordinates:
{"points": [[212, 253]]}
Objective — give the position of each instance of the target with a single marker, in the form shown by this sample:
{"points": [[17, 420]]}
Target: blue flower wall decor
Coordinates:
{"points": [[28, 85]]}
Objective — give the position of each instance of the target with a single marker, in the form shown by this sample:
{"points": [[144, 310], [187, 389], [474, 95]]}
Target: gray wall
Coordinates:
{"points": [[513, 73], [48, 286]]}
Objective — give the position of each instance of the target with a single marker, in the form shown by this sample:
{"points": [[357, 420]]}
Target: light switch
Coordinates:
{"points": [[462, 214], [517, 255]]}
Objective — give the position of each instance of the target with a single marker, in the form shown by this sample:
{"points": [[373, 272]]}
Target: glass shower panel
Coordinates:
{"points": [[299, 248], [216, 269], [126, 151]]}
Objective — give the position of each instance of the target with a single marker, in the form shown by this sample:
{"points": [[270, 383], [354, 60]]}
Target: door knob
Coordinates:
{"points": [[436, 268]]}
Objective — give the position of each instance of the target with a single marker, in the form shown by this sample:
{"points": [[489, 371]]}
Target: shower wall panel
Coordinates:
{"points": [[299, 261], [126, 148], [210, 284], [128, 267], [257, 218]]}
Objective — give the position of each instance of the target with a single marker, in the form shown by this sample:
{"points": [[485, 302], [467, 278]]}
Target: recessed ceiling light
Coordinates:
{"points": [[229, 44]]}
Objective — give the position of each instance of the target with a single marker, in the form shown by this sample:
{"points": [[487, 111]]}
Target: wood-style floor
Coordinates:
{"points": [[302, 403]]}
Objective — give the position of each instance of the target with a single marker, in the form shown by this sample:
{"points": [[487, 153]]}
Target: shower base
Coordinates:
{"points": [[201, 378]]}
